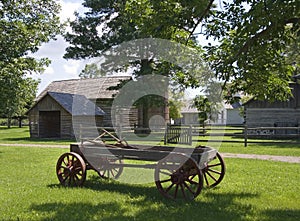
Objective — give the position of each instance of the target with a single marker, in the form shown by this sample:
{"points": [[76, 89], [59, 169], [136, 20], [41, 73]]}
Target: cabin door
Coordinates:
{"points": [[49, 124]]}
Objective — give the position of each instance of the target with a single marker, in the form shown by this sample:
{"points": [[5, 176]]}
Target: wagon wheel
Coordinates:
{"points": [[110, 168], [214, 171], [178, 176], [71, 169]]}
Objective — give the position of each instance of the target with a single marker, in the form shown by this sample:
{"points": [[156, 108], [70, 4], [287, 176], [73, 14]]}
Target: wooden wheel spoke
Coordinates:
{"points": [[72, 159], [112, 172], [211, 176], [70, 179], [169, 187], [77, 168], [214, 165], [68, 158], [63, 167], [116, 169], [165, 172], [205, 178], [104, 172], [192, 181], [182, 190], [164, 181], [215, 171], [66, 162], [193, 176], [176, 190], [76, 177], [65, 178], [189, 188]]}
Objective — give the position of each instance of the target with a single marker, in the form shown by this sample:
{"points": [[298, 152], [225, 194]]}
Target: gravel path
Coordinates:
{"points": [[288, 159]]}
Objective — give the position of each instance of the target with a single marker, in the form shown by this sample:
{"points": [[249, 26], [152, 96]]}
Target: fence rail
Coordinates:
{"points": [[186, 134]]}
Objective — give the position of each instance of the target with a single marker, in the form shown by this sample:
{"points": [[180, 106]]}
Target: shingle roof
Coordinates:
{"points": [[76, 105], [91, 88]]}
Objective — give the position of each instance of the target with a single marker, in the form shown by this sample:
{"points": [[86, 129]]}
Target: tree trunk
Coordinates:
{"points": [[20, 122], [9, 122]]}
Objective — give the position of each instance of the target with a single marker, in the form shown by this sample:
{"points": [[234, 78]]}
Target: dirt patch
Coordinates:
{"points": [[288, 159]]}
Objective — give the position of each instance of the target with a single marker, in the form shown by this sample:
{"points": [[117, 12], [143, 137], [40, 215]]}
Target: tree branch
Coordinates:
{"points": [[262, 34], [200, 20]]}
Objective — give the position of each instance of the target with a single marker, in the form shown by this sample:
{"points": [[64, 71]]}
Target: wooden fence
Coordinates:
{"points": [[243, 134], [186, 134], [178, 134]]}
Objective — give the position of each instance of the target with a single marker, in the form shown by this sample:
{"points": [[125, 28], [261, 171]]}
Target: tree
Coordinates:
{"points": [[110, 23], [91, 71], [17, 96], [24, 26], [207, 109], [176, 102], [252, 54], [252, 35]]}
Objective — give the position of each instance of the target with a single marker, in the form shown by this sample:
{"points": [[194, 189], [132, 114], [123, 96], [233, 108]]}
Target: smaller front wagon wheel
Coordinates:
{"points": [[71, 170]]}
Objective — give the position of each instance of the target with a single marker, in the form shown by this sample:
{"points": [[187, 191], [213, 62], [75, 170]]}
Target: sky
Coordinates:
{"points": [[60, 68]]}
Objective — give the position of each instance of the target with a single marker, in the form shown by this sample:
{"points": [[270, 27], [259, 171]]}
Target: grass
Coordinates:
{"points": [[251, 190], [21, 136], [17, 135]]}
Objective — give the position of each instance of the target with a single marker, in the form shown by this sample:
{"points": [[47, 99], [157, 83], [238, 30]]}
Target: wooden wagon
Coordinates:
{"points": [[178, 172]]}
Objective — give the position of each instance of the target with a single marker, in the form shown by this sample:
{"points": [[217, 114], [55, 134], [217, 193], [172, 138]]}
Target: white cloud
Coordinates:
{"points": [[49, 71], [72, 68], [68, 8], [55, 49]]}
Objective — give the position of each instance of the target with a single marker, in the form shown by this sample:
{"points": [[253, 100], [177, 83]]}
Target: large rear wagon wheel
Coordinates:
{"points": [[214, 171], [71, 170], [178, 177]]}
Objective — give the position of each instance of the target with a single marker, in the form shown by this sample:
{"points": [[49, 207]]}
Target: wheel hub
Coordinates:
{"points": [[178, 177]]}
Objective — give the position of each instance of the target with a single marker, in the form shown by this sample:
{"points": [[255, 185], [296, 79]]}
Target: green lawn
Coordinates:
{"points": [[17, 135], [21, 136], [251, 190]]}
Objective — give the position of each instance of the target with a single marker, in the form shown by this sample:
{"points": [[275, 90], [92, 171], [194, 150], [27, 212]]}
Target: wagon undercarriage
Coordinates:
{"points": [[178, 172]]}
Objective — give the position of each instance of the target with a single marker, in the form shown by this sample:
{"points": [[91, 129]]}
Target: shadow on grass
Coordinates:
{"points": [[279, 215], [38, 140], [148, 204]]}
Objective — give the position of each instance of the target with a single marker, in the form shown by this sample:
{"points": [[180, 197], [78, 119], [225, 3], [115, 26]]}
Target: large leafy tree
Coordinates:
{"points": [[24, 26], [252, 36], [110, 23], [255, 37]]}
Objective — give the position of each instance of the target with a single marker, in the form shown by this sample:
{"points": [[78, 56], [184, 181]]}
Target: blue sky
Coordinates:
{"points": [[60, 68]]}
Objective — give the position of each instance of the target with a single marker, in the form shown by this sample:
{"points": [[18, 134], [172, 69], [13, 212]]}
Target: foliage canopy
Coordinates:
{"points": [[253, 37], [24, 26]]}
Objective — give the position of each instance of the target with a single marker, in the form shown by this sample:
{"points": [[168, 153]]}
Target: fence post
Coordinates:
{"points": [[190, 135], [245, 136], [166, 132]]}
